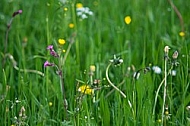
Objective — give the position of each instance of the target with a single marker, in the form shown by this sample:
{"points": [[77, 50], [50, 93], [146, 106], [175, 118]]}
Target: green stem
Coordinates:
{"points": [[116, 88], [67, 52], [165, 88]]}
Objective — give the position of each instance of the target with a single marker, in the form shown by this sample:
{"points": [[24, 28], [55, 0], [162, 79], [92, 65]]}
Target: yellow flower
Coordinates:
{"points": [[92, 68], [64, 50], [50, 103], [166, 112], [61, 41], [159, 120], [65, 9], [86, 89], [71, 25], [79, 5], [182, 34], [127, 19]]}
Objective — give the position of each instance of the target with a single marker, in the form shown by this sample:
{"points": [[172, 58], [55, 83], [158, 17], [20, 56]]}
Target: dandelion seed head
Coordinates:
{"points": [[175, 55], [166, 49], [173, 72], [156, 69]]}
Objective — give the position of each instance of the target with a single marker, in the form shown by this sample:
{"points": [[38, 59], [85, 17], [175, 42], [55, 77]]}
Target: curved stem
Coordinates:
{"points": [[116, 88], [21, 70]]}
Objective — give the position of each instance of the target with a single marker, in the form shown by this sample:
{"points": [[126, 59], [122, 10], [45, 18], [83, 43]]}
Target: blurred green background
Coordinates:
{"points": [[154, 24]]}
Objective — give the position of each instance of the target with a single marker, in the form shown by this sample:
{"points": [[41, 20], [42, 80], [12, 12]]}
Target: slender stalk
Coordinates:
{"points": [[61, 78], [156, 97], [67, 52], [116, 88], [165, 88], [178, 14]]}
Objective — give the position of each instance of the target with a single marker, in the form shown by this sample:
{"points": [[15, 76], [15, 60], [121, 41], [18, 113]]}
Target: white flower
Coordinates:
{"points": [[156, 69], [173, 72], [84, 16], [90, 13], [83, 12]]}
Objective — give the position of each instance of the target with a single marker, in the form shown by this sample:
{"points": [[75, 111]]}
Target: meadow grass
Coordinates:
{"points": [[102, 50]]}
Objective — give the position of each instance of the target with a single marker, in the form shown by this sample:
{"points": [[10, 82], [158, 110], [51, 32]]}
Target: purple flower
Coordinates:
{"points": [[48, 64], [52, 52], [50, 47], [16, 13]]}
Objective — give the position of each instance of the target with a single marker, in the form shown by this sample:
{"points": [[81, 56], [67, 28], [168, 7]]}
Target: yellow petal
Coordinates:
{"points": [[79, 5], [182, 34], [127, 19], [61, 41]]}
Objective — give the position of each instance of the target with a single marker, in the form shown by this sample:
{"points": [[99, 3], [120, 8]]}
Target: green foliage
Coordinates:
{"points": [[30, 93]]}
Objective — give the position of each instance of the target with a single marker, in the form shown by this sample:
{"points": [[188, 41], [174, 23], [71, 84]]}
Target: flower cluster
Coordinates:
{"points": [[83, 12], [85, 89], [53, 53]]}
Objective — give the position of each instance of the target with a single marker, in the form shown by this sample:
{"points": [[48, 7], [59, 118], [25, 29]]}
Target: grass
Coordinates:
{"points": [[30, 94]]}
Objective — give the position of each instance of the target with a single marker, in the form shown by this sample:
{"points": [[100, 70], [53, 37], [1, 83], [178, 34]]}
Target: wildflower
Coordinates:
{"points": [[159, 120], [61, 41], [156, 69], [96, 82], [48, 64], [83, 12], [50, 104], [127, 19], [86, 89], [116, 60], [71, 25], [182, 34], [92, 68], [188, 108], [65, 9], [50, 47], [79, 5], [175, 55], [173, 72], [16, 13], [52, 52], [167, 115], [22, 111], [166, 49]]}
